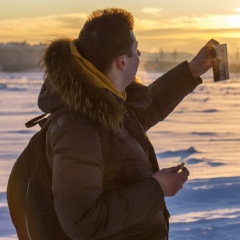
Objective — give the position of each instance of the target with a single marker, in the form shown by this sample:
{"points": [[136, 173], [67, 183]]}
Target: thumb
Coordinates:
{"points": [[174, 169]]}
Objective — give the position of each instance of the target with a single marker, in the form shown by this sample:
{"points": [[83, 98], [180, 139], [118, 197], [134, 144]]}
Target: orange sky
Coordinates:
{"points": [[169, 25]]}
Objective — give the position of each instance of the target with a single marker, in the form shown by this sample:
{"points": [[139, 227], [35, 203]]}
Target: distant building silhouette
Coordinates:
{"points": [[20, 56]]}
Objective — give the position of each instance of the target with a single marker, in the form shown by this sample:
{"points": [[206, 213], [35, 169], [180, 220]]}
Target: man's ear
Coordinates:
{"points": [[121, 62]]}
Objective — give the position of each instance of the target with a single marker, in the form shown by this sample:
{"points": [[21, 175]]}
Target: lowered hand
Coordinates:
{"points": [[171, 179]]}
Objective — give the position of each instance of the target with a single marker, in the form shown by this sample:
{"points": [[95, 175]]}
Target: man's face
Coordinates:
{"points": [[132, 62]]}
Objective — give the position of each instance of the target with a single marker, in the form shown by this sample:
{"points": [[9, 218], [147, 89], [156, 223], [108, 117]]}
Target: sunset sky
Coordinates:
{"points": [[182, 25]]}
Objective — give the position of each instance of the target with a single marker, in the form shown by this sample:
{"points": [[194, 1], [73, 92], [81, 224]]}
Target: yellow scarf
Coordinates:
{"points": [[97, 78]]}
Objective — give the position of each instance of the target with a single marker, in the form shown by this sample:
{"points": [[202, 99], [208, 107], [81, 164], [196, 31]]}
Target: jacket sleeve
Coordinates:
{"points": [[78, 171], [167, 92]]}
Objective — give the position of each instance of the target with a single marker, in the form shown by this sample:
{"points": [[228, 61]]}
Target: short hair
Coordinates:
{"points": [[105, 36]]}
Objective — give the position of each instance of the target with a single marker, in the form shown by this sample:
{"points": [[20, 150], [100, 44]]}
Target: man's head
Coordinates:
{"points": [[106, 35]]}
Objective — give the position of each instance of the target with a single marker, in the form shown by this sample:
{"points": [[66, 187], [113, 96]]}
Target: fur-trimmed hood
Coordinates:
{"points": [[66, 84]]}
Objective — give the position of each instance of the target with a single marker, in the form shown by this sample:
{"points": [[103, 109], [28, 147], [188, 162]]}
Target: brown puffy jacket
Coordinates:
{"points": [[119, 200]]}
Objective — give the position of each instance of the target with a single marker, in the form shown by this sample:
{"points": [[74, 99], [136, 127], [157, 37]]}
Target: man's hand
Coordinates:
{"points": [[170, 180], [204, 59]]}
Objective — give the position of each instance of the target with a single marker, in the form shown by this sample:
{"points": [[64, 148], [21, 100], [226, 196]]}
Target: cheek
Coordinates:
{"points": [[135, 62]]}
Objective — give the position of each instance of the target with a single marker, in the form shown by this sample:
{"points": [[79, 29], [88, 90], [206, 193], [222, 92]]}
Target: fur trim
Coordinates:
{"points": [[72, 85]]}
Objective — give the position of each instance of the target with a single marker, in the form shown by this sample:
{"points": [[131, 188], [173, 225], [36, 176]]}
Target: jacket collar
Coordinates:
{"points": [[76, 90], [68, 85]]}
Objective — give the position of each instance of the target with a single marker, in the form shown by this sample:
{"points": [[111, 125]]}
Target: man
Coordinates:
{"points": [[92, 79]]}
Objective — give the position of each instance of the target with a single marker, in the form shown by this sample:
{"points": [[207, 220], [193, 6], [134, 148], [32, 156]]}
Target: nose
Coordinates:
{"points": [[138, 53]]}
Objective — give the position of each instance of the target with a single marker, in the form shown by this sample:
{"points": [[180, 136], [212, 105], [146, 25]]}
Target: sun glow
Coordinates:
{"points": [[221, 21], [186, 30], [153, 27], [203, 22], [236, 10]]}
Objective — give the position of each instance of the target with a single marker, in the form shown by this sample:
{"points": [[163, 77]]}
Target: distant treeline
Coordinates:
{"points": [[234, 67], [25, 57], [164, 66]]}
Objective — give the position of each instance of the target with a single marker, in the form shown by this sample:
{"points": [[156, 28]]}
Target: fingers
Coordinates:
{"points": [[174, 169], [171, 179], [212, 42], [183, 177], [211, 48], [204, 59], [185, 171], [180, 176], [210, 53]]}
